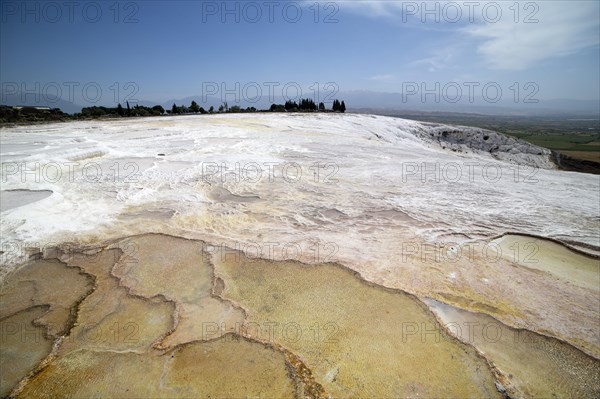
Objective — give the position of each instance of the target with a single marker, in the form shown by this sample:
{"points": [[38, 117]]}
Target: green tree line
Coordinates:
{"points": [[10, 114]]}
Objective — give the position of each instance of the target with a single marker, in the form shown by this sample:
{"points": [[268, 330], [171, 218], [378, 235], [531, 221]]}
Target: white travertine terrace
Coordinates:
{"points": [[368, 164], [376, 194]]}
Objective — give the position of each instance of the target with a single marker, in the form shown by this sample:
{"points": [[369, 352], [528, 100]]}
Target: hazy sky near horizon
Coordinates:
{"points": [[174, 49]]}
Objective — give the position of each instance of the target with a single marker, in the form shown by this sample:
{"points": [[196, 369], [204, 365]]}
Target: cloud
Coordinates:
{"points": [[407, 12], [506, 41], [383, 78], [563, 28], [373, 9], [439, 60]]}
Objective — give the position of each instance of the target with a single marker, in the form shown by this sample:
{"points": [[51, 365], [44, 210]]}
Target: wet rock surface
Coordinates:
{"points": [[156, 315]]}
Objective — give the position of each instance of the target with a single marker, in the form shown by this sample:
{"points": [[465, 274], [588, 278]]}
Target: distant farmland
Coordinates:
{"points": [[576, 137]]}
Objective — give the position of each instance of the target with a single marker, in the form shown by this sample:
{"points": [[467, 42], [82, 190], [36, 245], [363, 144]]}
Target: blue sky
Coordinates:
{"points": [[173, 49]]}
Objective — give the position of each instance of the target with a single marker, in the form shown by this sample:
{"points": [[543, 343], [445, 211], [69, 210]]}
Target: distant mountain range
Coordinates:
{"points": [[370, 100], [15, 99], [505, 106]]}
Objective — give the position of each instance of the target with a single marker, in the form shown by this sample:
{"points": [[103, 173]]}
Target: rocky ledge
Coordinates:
{"points": [[463, 139]]}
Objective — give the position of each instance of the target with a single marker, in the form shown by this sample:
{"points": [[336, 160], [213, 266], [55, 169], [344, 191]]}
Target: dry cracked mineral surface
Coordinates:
{"points": [[344, 256]]}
